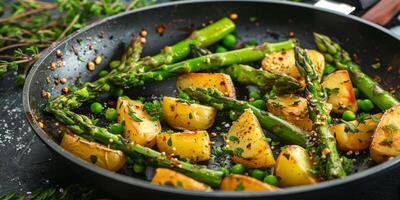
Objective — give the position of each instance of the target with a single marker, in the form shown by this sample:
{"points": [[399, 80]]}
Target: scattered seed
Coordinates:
{"points": [[45, 94], [91, 66], [63, 80], [59, 53], [143, 40], [97, 60], [233, 16], [40, 124], [52, 66], [91, 47], [65, 90], [143, 33], [291, 34]]}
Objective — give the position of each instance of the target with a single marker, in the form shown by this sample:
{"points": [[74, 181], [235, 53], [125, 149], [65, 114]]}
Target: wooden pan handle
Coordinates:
{"points": [[383, 11]]}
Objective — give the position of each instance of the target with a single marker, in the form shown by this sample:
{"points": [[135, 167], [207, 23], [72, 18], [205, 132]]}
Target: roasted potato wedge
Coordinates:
{"points": [[284, 62], [192, 145], [177, 180], [236, 182], [386, 139], [187, 116], [139, 127], [218, 81], [293, 109], [293, 167], [357, 140], [92, 152], [247, 141], [340, 90]]}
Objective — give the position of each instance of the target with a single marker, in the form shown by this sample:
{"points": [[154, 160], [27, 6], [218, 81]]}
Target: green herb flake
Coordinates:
{"points": [[169, 142], [93, 159], [179, 184], [375, 119], [386, 142], [239, 187], [238, 151], [376, 65], [391, 127], [131, 113], [190, 116], [233, 138]]}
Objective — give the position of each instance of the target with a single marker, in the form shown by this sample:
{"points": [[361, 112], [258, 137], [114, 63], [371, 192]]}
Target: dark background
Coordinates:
{"points": [[20, 173]]}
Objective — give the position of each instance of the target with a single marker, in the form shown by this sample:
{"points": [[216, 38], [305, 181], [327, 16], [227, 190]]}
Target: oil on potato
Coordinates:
{"points": [[236, 182], [139, 127], [360, 139], [247, 141], [386, 139], [192, 145], [340, 90], [187, 116], [218, 81], [92, 152], [284, 62], [293, 167], [171, 178]]}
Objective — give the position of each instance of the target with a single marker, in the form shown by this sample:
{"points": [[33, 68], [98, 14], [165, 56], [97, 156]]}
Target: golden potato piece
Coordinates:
{"points": [[285, 62], [192, 145], [236, 182], [92, 152], [247, 141], [386, 139], [340, 90], [177, 180], [359, 140], [187, 116], [293, 167], [218, 81], [138, 124]]}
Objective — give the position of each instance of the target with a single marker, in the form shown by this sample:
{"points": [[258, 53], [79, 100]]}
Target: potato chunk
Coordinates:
{"points": [[139, 127], [236, 182], [386, 139], [293, 167], [360, 139], [187, 116], [340, 90], [177, 180], [285, 62], [218, 81], [192, 145], [247, 141], [92, 152]]}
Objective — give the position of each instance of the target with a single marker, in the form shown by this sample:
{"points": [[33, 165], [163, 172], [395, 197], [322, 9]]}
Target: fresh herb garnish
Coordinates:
{"points": [[233, 138], [153, 109], [93, 159], [239, 187], [169, 142]]}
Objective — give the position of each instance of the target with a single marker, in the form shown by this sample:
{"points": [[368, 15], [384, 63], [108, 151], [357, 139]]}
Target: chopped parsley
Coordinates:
{"points": [[131, 114], [190, 116], [330, 91], [238, 151], [93, 159], [233, 138], [239, 187], [391, 127], [386, 142], [153, 109], [169, 142], [179, 184], [375, 119]]}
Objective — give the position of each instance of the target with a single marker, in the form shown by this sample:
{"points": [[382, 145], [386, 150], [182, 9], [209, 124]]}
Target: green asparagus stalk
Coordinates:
{"points": [[316, 97], [340, 58], [129, 62], [82, 125], [266, 80], [201, 63], [287, 132]]}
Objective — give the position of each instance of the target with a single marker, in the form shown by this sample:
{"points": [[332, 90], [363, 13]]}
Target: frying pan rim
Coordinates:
{"points": [[373, 171]]}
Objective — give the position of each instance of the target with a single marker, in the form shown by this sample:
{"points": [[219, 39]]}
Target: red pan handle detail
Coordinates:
{"points": [[383, 11]]}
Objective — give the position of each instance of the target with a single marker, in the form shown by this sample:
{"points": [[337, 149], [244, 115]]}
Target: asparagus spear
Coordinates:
{"points": [[286, 131], [248, 75], [129, 62], [340, 58], [201, 63], [316, 97], [82, 125]]}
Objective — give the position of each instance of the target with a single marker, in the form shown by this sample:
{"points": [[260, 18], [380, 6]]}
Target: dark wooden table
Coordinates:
{"points": [[27, 164]]}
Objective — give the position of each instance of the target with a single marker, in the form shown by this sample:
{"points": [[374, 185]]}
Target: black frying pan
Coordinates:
{"points": [[275, 20]]}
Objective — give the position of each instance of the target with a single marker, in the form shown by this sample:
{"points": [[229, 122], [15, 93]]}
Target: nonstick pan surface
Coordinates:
{"points": [[275, 20]]}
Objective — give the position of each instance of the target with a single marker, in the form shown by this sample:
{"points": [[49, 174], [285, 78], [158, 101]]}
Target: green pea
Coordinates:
{"points": [[96, 108], [367, 105], [328, 69], [116, 128], [258, 174], [348, 115], [106, 87], [137, 168], [356, 92], [103, 73], [114, 64], [117, 91], [225, 171], [255, 94], [260, 104], [359, 101], [221, 49], [252, 43], [271, 179], [229, 41], [183, 95], [237, 169], [111, 114], [20, 79]]}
